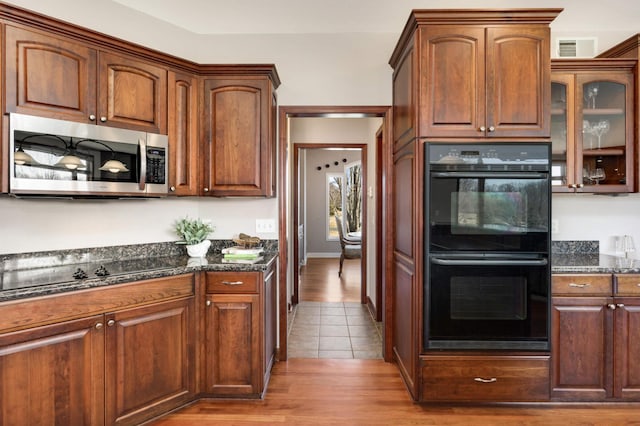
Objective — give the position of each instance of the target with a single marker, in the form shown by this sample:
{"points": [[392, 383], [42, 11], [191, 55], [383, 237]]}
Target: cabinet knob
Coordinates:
{"points": [[573, 186], [580, 185], [111, 323], [172, 188], [483, 129], [99, 326], [92, 117], [620, 305], [103, 119], [481, 380], [492, 129], [208, 303], [206, 190], [611, 306]]}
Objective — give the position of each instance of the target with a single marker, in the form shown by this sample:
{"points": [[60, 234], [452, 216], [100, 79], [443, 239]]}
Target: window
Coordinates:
{"points": [[334, 203]]}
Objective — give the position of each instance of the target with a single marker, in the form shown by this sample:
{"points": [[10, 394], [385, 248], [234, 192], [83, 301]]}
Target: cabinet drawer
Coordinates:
{"points": [[486, 378], [583, 284], [628, 285], [233, 282]]}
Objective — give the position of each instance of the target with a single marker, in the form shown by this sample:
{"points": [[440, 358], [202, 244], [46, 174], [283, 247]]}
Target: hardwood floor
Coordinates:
{"points": [[319, 281], [321, 391], [369, 392]]}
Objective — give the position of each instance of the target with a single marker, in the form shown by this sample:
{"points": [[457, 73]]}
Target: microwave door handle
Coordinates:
{"points": [[488, 262], [490, 175], [142, 145]]}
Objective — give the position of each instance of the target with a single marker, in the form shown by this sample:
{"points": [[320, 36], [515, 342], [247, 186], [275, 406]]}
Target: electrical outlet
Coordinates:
{"points": [[264, 226], [555, 226]]}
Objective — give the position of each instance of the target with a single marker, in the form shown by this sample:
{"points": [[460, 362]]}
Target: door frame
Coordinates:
{"points": [[284, 176], [295, 182]]}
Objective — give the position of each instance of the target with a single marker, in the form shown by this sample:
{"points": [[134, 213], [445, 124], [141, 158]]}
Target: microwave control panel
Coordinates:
{"points": [[156, 165]]}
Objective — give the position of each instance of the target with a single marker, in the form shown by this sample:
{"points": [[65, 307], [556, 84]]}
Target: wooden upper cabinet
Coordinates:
{"points": [[132, 93], [238, 136], [485, 82], [183, 133], [62, 78], [49, 76], [479, 73]]}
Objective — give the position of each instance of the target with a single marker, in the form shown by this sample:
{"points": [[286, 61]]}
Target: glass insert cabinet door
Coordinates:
{"points": [[592, 132]]}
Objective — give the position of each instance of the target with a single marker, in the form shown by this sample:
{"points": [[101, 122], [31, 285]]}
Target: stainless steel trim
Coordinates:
{"points": [[488, 262], [490, 175], [142, 146]]}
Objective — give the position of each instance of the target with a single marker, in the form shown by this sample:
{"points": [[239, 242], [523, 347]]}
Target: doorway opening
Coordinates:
{"points": [[374, 275]]}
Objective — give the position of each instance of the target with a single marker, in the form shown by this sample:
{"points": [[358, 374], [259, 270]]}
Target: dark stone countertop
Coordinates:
{"points": [[593, 263], [33, 282]]}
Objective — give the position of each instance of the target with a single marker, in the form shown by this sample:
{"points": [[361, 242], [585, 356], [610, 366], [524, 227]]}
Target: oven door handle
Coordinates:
{"points": [[488, 262], [491, 175]]}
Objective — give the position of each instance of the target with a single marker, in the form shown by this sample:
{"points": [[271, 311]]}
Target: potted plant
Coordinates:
{"points": [[194, 233]]}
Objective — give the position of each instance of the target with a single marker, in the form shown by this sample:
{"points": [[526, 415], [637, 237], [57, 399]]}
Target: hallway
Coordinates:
{"points": [[330, 321]]}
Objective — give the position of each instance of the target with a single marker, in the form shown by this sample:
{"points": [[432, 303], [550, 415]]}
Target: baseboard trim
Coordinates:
{"points": [[324, 255]]}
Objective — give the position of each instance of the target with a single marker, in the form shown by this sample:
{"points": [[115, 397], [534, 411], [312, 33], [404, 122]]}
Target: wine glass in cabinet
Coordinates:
{"points": [[592, 122]]}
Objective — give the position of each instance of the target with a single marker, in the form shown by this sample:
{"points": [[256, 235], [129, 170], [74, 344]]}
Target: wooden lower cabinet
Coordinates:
{"points": [[240, 332], [595, 338], [150, 362], [120, 366], [54, 374], [490, 378]]}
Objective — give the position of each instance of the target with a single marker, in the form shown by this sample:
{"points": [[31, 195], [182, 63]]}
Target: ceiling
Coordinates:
{"points": [[349, 16]]}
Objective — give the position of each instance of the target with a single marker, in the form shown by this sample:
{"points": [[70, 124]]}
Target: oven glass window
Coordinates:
{"points": [[482, 298], [510, 214]]}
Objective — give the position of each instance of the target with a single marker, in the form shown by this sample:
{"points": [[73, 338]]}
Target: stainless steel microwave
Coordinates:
{"points": [[63, 158]]}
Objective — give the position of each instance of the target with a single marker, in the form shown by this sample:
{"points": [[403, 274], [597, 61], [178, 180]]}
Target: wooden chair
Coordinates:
{"points": [[350, 248]]}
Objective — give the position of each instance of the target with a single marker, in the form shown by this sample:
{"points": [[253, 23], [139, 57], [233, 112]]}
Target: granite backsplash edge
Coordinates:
{"points": [[42, 259]]}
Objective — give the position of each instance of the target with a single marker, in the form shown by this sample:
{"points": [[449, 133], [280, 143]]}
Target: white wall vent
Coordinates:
{"points": [[576, 47]]}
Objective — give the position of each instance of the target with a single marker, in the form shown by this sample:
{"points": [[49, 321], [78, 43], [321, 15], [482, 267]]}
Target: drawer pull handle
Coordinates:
{"points": [[481, 380], [232, 282], [579, 285]]}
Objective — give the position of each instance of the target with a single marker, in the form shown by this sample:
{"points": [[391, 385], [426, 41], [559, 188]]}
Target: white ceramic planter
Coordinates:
{"points": [[199, 250]]}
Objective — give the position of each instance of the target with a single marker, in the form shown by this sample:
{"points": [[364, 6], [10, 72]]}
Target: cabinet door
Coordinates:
{"points": [[132, 94], [562, 133], [49, 76], [53, 374], [236, 128], [518, 83], [452, 81], [233, 362], [183, 134], [581, 348], [604, 131], [627, 349], [150, 361]]}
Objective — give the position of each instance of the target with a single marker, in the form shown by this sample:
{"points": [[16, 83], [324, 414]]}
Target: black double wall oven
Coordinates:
{"points": [[487, 246]]}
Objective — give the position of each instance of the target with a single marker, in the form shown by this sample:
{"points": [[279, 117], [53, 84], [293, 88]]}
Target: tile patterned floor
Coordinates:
{"points": [[334, 330]]}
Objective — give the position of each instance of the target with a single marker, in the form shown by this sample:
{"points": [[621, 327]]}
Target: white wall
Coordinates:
{"points": [[316, 69]]}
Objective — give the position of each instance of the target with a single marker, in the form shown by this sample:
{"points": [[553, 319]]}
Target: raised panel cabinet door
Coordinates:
{"points": [[627, 349], [53, 375], [132, 94], [49, 76], [581, 348], [452, 81], [404, 99], [237, 137], [518, 81], [183, 134], [233, 362], [150, 360]]}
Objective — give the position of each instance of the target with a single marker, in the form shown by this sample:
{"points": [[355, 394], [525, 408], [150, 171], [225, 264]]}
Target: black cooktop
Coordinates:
{"points": [[34, 277]]}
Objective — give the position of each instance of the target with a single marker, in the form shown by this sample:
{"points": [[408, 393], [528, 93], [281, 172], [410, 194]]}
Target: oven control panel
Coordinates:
{"points": [[495, 156]]}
